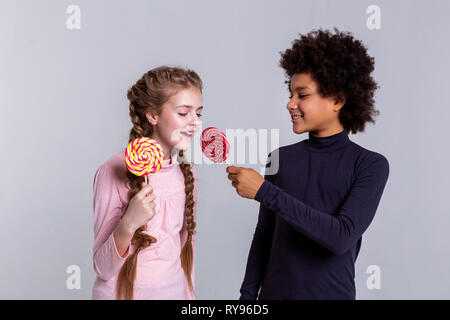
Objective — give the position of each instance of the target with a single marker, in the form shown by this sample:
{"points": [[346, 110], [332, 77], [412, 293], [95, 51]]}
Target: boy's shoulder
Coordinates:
{"points": [[361, 154], [367, 155], [294, 147], [353, 144]]}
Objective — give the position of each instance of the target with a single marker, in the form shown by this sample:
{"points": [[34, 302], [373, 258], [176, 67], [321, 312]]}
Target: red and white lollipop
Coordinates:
{"points": [[215, 145]]}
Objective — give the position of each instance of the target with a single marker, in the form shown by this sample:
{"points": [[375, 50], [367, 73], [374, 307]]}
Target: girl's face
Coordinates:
{"points": [[311, 112], [180, 118]]}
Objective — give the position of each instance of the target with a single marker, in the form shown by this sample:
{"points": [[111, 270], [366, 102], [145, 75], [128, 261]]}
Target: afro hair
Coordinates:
{"points": [[338, 63]]}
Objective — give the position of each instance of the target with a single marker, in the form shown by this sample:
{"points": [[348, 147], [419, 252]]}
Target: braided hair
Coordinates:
{"points": [[150, 92]]}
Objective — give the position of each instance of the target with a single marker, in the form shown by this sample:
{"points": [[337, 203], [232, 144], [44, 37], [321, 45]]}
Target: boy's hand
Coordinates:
{"points": [[246, 181]]}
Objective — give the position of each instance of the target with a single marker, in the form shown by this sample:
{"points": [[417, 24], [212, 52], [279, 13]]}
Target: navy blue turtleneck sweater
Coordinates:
{"points": [[313, 212]]}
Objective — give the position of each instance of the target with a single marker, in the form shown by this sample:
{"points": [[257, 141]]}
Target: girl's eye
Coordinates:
{"points": [[185, 114]]}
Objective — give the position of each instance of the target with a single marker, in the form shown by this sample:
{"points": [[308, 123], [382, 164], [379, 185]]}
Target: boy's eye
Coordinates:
{"points": [[300, 96], [199, 115]]}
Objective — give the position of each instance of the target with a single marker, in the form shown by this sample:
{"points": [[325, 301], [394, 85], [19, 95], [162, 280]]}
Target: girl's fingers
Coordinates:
{"points": [[146, 191], [150, 198]]}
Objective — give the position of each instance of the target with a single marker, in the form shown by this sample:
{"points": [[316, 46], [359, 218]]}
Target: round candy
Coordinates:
{"points": [[215, 145], [144, 156]]}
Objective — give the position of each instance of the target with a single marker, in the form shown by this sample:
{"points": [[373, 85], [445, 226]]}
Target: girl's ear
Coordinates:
{"points": [[152, 118]]}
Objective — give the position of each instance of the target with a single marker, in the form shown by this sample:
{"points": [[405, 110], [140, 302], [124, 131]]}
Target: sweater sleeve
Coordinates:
{"points": [[339, 232], [107, 215], [258, 256], [183, 238]]}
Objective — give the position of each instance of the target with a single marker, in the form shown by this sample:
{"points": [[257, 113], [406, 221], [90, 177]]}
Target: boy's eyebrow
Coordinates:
{"points": [[188, 106], [300, 88]]}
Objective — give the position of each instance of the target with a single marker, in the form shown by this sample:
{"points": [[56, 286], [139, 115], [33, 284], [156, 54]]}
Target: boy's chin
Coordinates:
{"points": [[299, 130]]}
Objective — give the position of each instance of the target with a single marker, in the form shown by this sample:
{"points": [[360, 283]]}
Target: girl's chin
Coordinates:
{"points": [[184, 143]]}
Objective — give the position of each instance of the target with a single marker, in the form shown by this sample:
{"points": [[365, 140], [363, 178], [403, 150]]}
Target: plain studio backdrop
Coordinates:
{"points": [[64, 112]]}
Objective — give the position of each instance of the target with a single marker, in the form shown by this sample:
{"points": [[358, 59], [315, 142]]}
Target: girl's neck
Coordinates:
{"points": [[167, 150]]}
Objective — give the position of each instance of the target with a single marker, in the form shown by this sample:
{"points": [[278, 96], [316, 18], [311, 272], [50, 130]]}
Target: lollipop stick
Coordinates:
{"points": [[227, 162], [146, 181]]}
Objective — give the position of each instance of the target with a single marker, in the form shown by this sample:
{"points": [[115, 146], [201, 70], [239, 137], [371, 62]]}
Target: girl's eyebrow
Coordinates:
{"points": [[188, 106]]}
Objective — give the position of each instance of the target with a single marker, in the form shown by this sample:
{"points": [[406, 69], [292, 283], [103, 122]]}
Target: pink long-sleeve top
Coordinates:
{"points": [[159, 274]]}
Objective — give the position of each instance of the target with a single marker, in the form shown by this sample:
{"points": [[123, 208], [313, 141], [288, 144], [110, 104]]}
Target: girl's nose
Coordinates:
{"points": [[195, 123]]}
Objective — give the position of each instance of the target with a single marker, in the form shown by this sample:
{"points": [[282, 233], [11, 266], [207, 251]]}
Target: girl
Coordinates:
{"points": [[326, 191], [144, 244]]}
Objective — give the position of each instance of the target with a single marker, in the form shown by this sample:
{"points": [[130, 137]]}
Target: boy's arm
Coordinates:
{"points": [[337, 232], [259, 253]]}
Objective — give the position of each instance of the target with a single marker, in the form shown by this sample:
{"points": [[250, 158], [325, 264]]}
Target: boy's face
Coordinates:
{"points": [[319, 115]]}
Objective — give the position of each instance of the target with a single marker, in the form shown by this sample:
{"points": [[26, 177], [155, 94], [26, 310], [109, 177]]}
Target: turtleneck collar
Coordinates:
{"points": [[329, 143]]}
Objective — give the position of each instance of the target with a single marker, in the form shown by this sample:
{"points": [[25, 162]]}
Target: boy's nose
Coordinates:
{"points": [[290, 106]]}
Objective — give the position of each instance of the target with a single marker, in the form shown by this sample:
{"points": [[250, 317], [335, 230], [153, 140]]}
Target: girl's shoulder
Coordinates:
{"points": [[115, 166], [113, 173]]}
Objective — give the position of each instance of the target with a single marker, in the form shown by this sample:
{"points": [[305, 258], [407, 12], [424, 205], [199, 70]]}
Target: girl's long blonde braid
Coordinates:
{"points": [[150, 93]]}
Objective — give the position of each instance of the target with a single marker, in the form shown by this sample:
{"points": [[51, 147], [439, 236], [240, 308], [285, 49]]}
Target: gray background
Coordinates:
{"points": [[64, 112]]}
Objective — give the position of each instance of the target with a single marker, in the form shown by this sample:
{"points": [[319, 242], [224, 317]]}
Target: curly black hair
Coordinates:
{"points": [[338, 63]]}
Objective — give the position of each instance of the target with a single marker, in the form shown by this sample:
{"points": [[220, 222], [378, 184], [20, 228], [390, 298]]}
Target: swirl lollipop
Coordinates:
{"points": [[215, 145], [144, 157]]}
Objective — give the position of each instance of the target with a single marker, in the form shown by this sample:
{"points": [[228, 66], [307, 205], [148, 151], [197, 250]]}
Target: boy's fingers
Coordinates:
{"points": [[233, 169]]}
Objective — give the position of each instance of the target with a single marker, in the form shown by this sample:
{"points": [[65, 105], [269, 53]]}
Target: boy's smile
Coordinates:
{"points": [[309, 111]]}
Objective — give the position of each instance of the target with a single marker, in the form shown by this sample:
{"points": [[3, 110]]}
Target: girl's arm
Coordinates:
{"points": [[122, 236], [107, 217], [339, 232]]}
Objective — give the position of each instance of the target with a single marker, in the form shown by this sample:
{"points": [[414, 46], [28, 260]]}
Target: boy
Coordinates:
{"points": [[323, 197]]}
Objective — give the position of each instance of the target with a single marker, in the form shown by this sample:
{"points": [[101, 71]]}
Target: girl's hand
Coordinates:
{"points": [[140, 210]]}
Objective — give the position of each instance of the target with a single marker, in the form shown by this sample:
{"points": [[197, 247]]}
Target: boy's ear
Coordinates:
{"points": [[152, 118], [339, 101]]}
